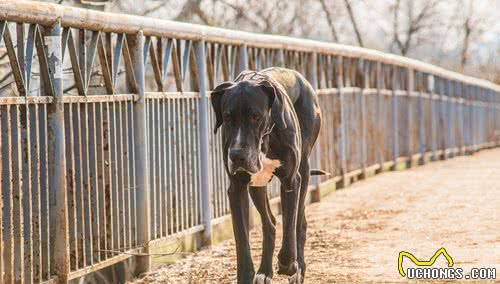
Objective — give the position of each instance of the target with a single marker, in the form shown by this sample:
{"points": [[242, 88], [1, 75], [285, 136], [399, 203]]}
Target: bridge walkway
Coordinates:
{"points": [[356, 234]]}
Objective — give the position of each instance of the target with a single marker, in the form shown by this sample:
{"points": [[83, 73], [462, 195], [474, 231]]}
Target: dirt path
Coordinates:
{"points": [[355, 235]]}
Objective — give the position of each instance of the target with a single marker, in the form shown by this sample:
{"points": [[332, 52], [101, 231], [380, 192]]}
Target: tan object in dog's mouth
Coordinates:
{"points": [[263, 177]]}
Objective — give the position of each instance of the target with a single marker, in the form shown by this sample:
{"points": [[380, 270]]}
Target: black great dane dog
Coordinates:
{"points": [[270, 121]]}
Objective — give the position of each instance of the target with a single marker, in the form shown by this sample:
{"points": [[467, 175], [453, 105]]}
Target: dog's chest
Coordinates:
{"points": [[263, 177]]}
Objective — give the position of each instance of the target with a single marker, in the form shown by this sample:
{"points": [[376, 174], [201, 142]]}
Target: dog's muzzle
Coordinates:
{"points": [[243, 161]]}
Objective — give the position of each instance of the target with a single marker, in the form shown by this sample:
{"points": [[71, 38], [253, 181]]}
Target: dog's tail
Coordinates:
{"points": [[315, 172]]}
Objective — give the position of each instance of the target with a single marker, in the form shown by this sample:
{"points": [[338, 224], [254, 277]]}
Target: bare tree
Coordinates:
{"points": [[193, 8], [353, 22], [414, 23], [471, 27]]}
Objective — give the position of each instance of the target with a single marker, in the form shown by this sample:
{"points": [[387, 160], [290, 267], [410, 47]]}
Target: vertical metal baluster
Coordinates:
{"points": [[113, 168], [179, 167], [165, 144], [184, 161], [27, 190], [150, 114], [196, 157], [35, 182], [159, 166], [70, 183], [124, 229], [82, 220], [187, 163], [214, 147], [46, 211], [2, 188], [8, 195], [175, 162], [126, 171], [96, 176], [171, 169], [132, 170], [157, 143], [312, 77]]}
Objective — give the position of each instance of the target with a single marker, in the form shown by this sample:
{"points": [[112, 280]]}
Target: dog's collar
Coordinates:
{"points": [[268, 131]]}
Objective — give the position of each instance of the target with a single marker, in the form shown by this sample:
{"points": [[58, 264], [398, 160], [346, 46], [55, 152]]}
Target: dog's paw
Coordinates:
{"points": [[262, 279], [296, 278], [289, 270]]}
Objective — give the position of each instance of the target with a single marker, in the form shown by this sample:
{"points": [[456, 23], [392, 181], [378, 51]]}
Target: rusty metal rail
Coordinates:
{"points": [[106, 145]]}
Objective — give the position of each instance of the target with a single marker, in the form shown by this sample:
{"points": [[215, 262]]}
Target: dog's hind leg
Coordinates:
{"points": [[238, 201], [301, 217], [261, 202]]}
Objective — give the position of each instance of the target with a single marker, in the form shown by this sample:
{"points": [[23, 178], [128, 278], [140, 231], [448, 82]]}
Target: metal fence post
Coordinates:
{"points": [[315, 153], [243, 59], [281, 58], [449, 120], [199, 53], [379, 81], [136, 47], [461, 117], [431, 85], [421, 117], [474, 123], [469, 100], [57, 159], [344, 182], [364, 69], [410, 114], [443, 117], [395, 130]]}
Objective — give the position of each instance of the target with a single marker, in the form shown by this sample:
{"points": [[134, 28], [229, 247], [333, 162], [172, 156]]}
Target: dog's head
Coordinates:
{"points": [[247, 112]]}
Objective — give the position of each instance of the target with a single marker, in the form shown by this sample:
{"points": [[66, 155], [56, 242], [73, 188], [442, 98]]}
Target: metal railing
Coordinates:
{"points": [[106, 140]]}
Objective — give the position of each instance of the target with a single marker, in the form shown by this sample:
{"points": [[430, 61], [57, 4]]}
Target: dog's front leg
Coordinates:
{"points": [[238, 199], [287, 257]]}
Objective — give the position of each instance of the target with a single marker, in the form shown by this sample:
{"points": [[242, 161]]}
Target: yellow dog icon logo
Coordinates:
{"points": [[423, 263]]}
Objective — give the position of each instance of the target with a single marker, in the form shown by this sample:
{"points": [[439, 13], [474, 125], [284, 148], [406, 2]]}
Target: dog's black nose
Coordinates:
{"points": [[237, 156]]}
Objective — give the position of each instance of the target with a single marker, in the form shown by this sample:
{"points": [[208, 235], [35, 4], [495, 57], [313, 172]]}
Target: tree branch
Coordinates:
{"points": [[353, 22], [329, 19]]}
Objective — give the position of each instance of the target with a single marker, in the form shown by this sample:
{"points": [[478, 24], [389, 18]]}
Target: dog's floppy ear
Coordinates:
{"points": [[216, 98], [277, 99]]}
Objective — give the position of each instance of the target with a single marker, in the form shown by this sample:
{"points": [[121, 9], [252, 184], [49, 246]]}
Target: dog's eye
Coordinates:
{"points": [[255, 117], [227, 118]]}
